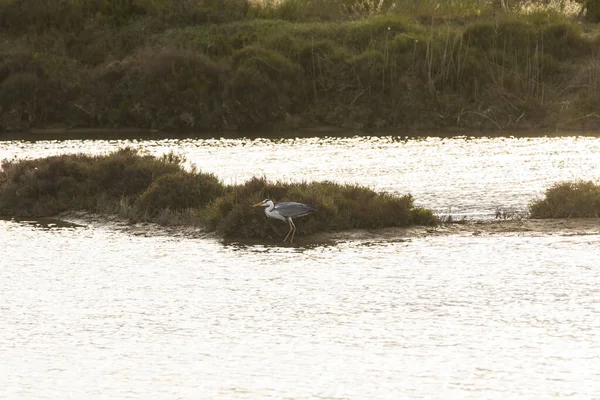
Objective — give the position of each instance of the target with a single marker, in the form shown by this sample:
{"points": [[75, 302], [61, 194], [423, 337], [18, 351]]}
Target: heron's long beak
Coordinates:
{"points": [[257, 204]]}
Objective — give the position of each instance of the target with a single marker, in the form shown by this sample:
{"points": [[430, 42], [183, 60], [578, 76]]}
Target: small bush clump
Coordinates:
{"points": [[179, 191], [146, 188], [265, 85], [169, 89], [568, 199], [47, 186], [340, 207]]}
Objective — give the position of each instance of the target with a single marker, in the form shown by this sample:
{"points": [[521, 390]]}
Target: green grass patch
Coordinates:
{"points": [[568, 199], [159, 189], [213, 65]]}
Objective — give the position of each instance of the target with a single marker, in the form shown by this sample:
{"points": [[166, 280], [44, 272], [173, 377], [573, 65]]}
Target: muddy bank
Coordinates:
{"points": [[575, 226], [523, 227], [83, 219]]}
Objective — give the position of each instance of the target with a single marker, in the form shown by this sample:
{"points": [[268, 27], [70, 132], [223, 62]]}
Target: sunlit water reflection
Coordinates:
{"points": [[98, 312]]}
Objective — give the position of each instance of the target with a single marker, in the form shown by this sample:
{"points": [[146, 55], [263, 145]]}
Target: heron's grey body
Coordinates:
{"points": [[292, 209], [285, 212]]}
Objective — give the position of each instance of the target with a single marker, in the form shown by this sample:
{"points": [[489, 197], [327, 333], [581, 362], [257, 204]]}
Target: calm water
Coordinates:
{"points": [[101, 312]]}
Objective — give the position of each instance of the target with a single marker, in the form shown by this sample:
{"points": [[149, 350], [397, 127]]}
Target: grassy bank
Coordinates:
{"points": [[237, 65], [145, 188], [568, 199]]}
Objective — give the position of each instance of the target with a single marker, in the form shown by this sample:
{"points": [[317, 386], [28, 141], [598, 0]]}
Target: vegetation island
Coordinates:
{"points": [[145, 188]]}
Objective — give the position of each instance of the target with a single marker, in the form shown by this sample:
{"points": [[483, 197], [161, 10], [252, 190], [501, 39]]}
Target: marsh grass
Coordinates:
{"points": [[146, 188], [509, 214], [568, 199], [214, 65], [340, 207], [45, 187]]}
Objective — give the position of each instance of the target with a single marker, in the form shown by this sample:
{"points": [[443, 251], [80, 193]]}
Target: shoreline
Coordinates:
{"points": [[311, 132], [551, 226], [520, 227]]}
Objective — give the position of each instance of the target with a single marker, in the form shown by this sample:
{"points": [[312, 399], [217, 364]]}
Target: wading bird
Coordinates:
{"points": [[285, 212]]}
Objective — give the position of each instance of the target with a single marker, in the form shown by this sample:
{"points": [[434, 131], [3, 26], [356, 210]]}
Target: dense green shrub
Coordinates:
{"points": [[568, 199], [164, 89], [339, 207], [73, 15], [592, 8], [142, 187], [33, 88], [179, 191], [264, 87], [50, 185], [39, 16], [213, 65]]}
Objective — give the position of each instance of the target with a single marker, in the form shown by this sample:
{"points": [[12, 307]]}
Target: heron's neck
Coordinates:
{"points": [[269, 209]]}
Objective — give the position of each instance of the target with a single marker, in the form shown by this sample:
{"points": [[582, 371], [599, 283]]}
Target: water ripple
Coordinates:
{"points": [[99, 312], [435, 317]]}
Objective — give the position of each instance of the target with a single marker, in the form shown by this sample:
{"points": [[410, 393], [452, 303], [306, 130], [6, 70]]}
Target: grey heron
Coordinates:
{"points": [[285, 212]]}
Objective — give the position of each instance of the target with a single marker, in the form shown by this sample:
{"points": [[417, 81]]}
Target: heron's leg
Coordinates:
{"points": [[290, 224], [294, 231]]}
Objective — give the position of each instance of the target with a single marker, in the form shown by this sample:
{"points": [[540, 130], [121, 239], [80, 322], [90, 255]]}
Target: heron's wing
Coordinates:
{"points": [[292, 209]]}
